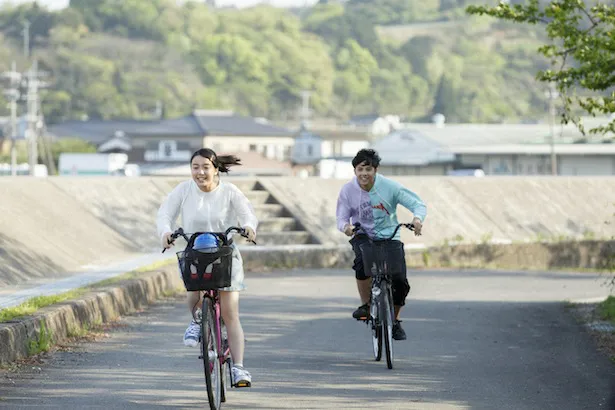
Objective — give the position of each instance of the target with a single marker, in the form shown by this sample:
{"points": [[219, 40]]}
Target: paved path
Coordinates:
{"points": [[476, 340]]}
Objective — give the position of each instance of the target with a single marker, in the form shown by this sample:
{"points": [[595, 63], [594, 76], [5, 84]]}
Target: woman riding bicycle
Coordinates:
{"points": [[210, 205], [371, 199]]}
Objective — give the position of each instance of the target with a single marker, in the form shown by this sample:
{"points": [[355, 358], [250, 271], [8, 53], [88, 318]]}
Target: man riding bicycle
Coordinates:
{"points": [[371, 199]]}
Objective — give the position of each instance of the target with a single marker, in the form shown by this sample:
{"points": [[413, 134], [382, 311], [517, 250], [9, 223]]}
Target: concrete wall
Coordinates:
{"points": [[51, 226], [502, 208]]}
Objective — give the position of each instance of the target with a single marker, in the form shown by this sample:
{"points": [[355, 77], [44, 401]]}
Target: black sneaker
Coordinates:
{"points": [[398, 332], [362, 312]]}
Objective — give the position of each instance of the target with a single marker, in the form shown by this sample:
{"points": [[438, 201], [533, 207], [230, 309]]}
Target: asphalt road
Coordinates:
{"points": [[476, 340]]}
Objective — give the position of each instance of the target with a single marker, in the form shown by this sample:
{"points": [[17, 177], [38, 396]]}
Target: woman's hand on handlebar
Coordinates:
{"points": [[250, 234], [167, 240]]}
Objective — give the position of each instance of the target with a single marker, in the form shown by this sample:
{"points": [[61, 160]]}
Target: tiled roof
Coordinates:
{"points": [[198, 124], [217, 123], [97, 131]]}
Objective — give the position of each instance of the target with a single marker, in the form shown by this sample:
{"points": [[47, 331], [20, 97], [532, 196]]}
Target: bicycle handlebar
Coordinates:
{"points": [[180, 232], [357, 226]]}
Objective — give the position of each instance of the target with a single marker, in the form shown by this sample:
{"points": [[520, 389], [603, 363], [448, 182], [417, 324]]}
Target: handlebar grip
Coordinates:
{"points": [[174, 236]]}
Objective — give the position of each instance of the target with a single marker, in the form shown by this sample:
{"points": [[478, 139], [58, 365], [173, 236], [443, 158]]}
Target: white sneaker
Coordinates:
{"points": [[191, 337], [241, 377]]}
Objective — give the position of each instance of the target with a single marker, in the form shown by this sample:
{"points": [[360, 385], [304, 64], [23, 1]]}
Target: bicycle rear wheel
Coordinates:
{"points": [[210, 354], [386, 318]]}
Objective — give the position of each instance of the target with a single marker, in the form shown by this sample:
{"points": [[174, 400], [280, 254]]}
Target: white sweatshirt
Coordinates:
{"points": [[213, 211]]}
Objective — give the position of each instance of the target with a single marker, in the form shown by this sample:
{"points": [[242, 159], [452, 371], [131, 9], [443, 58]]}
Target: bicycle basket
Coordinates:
{"points": [[206, 271], [388, 256]]}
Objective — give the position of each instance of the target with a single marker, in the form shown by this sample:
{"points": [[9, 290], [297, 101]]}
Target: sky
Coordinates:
{"points": [[59, 4]]}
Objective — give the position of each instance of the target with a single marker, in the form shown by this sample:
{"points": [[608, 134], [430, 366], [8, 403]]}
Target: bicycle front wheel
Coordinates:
{"points": [[377, 340], [386, 317], [210, 354], [376, 325]]}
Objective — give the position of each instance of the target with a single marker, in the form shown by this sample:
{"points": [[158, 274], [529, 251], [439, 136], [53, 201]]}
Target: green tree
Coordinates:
{"points": [[581, 50], [152, 20], [41, 21]]}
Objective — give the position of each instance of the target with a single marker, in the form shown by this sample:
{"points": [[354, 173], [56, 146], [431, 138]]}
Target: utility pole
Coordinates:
{"points": [[552, 94], [32, 116], [305, 108], [26, 38], [12, 95]]}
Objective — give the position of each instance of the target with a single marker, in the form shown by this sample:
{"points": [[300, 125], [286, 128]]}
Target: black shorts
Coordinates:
{"points": [[396, 259]]}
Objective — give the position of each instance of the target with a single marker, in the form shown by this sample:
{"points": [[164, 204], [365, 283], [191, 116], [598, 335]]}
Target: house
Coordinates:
{"points": [[313, 155], [377, 125], [491, 149], [523, 149], [252, 164], [402, 152], [165, 143], [407, 152], [307, 149]]}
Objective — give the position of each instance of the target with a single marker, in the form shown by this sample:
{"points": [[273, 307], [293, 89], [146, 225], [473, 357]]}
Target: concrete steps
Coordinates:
{"points": [[279, 238], [276, 225], [280, 223], [267, 211]]}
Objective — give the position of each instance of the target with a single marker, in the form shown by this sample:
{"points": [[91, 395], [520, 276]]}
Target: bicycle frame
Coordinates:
{"points": [[224, 352]]}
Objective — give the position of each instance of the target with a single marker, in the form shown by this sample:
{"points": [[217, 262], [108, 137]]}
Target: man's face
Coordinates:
{"points": [[366, 175]]}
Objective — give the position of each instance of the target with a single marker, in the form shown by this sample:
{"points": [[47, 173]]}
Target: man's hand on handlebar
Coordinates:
{"points": [[416, 222], [349, 230]]}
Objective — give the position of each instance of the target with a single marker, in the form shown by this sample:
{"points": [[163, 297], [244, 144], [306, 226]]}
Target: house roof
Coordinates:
{"points": [[197, 124], [229, 123], [561, 149], [455, 136], [306, 134], [408, 147], [98, 131], [365, 119]]}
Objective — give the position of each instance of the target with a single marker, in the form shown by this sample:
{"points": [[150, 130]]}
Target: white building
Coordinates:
{"points": [[407, 152], [523, 149]]}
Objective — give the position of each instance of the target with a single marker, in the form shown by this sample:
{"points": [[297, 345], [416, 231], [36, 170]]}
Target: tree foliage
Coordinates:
{"points": [[124, 59], [581, 50]]}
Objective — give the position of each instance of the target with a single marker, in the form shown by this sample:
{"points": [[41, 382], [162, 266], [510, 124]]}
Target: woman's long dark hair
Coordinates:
{"points": [[222, 163]]}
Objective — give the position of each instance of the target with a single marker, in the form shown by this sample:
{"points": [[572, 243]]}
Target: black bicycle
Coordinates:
{"points": [[208, 272], [382, 311]]}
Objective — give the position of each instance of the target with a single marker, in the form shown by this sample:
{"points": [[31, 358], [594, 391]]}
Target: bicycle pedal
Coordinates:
{"points": [[243, 383]]}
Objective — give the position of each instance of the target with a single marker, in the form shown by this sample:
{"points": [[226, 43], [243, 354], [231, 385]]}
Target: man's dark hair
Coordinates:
{"points": [[367, 157]]}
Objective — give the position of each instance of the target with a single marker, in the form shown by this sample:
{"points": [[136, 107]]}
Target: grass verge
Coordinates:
{"points": [[606, 309], [32, 305]]}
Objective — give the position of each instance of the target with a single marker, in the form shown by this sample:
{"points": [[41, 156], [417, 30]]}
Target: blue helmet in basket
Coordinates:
{"points": [[206, 242]]}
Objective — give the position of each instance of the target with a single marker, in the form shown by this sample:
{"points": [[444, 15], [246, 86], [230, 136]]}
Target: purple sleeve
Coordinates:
{"points": [[343, 210]]}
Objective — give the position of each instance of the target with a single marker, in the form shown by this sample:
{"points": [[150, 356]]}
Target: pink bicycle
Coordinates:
{"points": [[207, 271]]}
